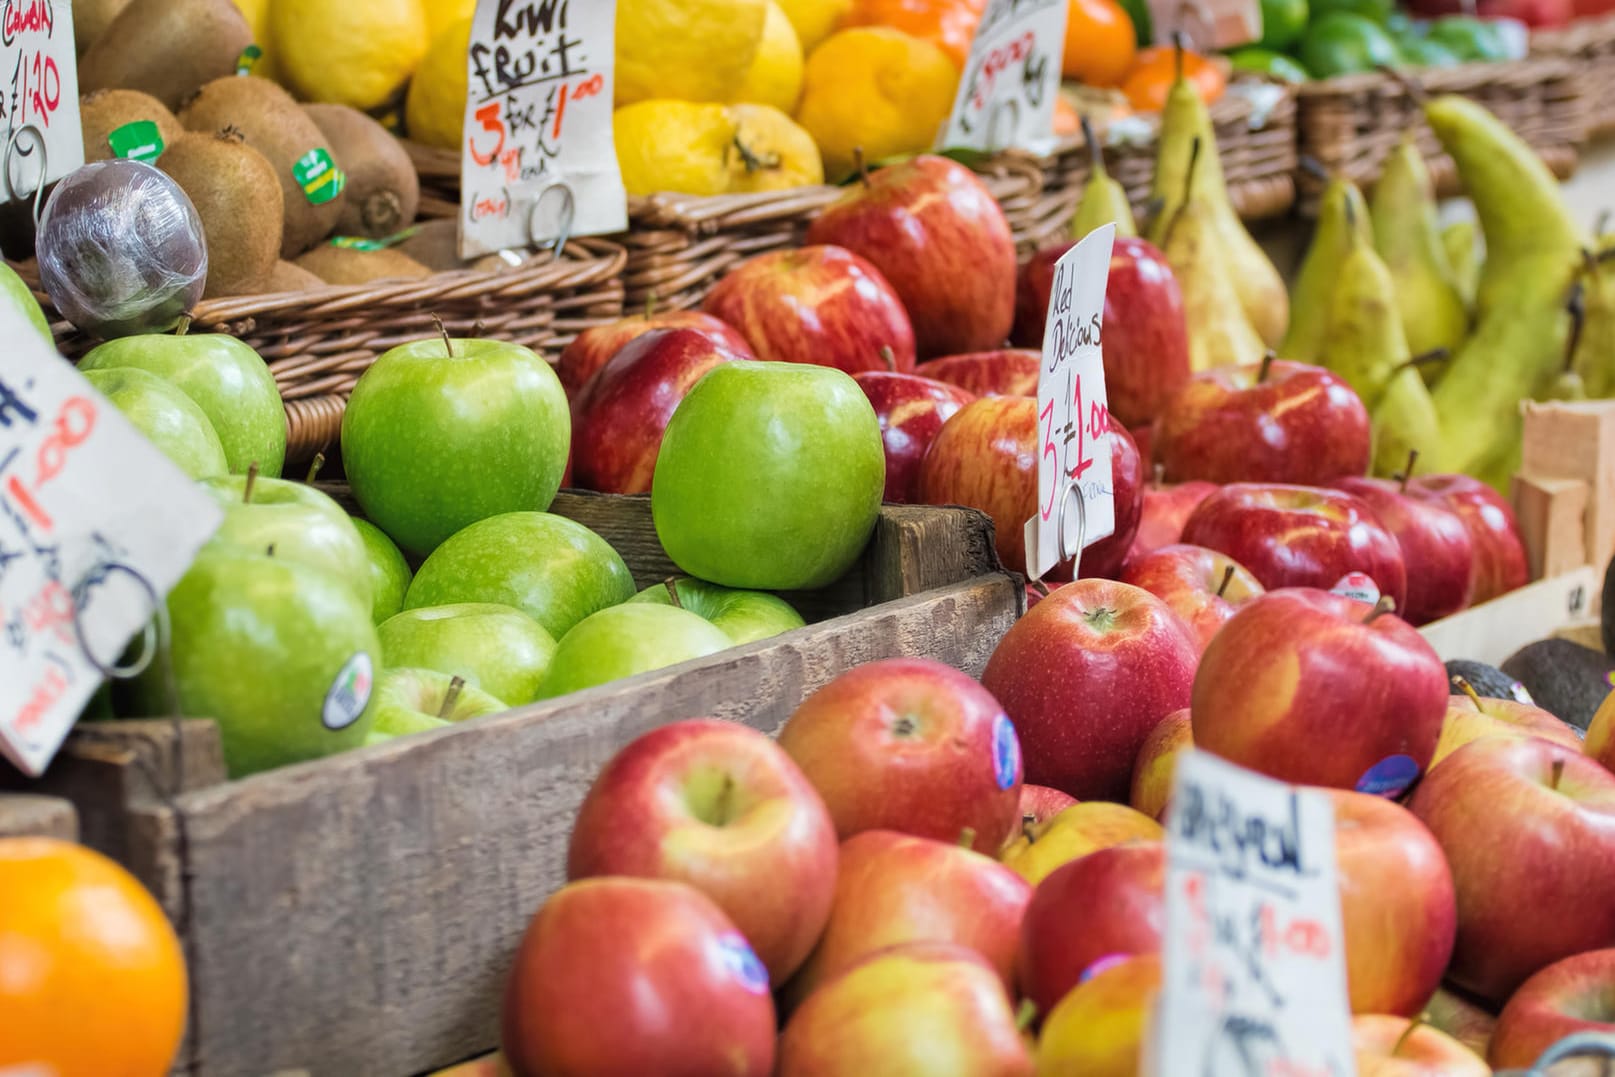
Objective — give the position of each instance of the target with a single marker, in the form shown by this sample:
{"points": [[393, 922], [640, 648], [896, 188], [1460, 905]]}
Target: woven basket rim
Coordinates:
{"points": [[1458, 79]]}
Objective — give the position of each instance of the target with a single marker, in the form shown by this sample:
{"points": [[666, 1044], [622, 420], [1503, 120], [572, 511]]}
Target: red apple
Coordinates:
{"points": [[895, 888], [1005, 372], [1565, 998], [654, 962], [1436, 548], [1166, 509], [911, 410], [1470, 718], [1098, 1029], [936, 232], [1086, 676], [619, 417], [1088, 913], [593, 348], [1390, 1046], [1299, 536], [1528, 827], [822, 305], [910, 745], [901, 1010], [1263, 422], [1202, 586], [1157, 763], [1313, 688], [1039, 803], [1397, 909], [721, 807], [1500, 564], [1146, 339]]}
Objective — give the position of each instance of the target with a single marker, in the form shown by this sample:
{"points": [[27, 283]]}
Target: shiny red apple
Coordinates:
{"points": [[593, 348], [1156, 766], [1436, 547], [1202, 586], [911, 410], [820, 304], [1039, 803], [1005, 372], [1166, 509], [1499, 552], [1565, 998]]}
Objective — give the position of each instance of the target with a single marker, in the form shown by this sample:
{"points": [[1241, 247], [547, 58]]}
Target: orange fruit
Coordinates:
{"points": [[1099, 42], [1156, 69], [948, 24], [92, 977]]}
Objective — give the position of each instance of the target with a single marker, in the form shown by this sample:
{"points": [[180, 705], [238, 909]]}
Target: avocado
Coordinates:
{"points": [[1565, 678], [1487, 681]]}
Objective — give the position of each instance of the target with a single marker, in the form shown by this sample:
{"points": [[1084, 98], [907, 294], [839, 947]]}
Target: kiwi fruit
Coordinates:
{"points": [[167, 48], [345, 265], [435, 244], [383, 191], [291, 277], [104, 111], [91, 19], [274, 126], [235, 193]]}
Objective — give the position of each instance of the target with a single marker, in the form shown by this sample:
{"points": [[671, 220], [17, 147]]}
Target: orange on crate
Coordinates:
{"points": [[948, 24], [1156, 69], [92, 977], [1099, 42]]}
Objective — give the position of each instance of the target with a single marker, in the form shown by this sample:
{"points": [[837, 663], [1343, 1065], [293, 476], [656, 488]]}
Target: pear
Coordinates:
{"points": [[1340, 212], [1592, 361], [1434, 314], [1364, 342], [166, 48], [1257, 283], [1461, 240], [1405, 420], [1104, 201]]}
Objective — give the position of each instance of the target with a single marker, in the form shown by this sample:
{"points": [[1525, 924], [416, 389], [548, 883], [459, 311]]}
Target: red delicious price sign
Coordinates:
{"points": [[38, 57], [1254, 966], [95, 526], [537, 162], [1011, 79], [1073, 416]]}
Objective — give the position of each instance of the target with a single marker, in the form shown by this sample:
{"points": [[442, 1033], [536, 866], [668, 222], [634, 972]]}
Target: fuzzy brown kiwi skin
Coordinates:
{"points": [[344, 265], [167, 48], [435, 245], [383, 192], [276, 127], [235, 193], [104, 111], [291, 277]]}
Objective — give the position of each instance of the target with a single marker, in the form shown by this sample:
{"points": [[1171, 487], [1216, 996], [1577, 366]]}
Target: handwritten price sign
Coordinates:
{"points": [[1255, 975], [1073, 415], [88, 510], [37, 54], [538, 114], [1007, 93]]}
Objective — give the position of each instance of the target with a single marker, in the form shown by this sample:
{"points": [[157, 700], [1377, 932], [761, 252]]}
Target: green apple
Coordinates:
{"points": [[415, 700], [167, 417], [496, 648], [744, 616], [769, 477], [227, 380], [15, 291], [553, 569], [297, 522], [281, 655], [389, 572], [624, 640], [440, 434]]}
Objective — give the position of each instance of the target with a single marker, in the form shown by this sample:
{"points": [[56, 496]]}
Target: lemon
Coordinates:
{"points": [[434, 112], [680, 146], [814, 20], [775, 77], [352, 52], [877, 90], [770, 152], [693, 50], [442, 14]]}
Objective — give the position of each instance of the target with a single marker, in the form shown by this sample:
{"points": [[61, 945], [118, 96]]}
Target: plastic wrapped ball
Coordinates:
{"points": [[121, 250]]}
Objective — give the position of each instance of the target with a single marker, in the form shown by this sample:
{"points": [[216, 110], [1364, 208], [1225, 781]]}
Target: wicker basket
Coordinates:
{"points": [[317, 343], [1588, 45], [1257, 150], [1350, 123]]}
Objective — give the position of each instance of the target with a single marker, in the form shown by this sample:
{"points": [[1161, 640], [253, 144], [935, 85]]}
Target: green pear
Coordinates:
{"points": [[1434, 315], [1341, 212], [1104, 201]]}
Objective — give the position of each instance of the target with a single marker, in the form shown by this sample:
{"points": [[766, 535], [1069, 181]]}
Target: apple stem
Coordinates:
{"points": [[269, 551], [1025, 1015], [1407, 1033], [1557, 772], [1028, 820], [888, 357], [1160, 474], [451, 697], [314, 468], [1041, 588], [1386, 604], [650, 304], [442, 331], [967, 837], [860, 166], [252, 483], [1227, 578], [1463, 685], [725, 794], [671, 583], [183, 327], [478, 328], [1267, 365], [750, 159]]}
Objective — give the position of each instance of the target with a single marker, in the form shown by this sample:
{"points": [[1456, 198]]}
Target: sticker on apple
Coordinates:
{"points": [[744, 963], [1357, 585], [350, 693], [1390, 777], [1101, 964], [1006, 752]]}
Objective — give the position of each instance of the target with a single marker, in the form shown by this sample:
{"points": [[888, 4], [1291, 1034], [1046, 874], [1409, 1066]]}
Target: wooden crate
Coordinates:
{"points": [[356, 915]]}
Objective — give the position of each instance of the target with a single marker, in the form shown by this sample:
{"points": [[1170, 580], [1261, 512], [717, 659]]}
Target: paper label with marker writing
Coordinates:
{"points": [[40, 61], [78, 534], [1254, 974], [1073, 414], [1011, 79], [538, 114]]}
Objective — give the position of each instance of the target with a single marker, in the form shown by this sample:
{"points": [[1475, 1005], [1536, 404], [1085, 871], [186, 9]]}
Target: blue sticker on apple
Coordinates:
{"points": [[1006, 752], [1100, 965], [744, 963], [1389, 777]]}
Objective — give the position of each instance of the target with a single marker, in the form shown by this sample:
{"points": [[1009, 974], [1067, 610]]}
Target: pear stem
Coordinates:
{"points": [[1407, 1033], [1576, 307], [442, 331], [1557, 772], [1413, 458], [451, 697], [252, 483], [1314, 168], [1227, 578], [1386, 604], [888, 357], [314, 468], [1025, 1015], [1463, 685], [967, 837], [1096, 154], [1434, 355], [1267, 365], [671, 583], [1178, 49]]}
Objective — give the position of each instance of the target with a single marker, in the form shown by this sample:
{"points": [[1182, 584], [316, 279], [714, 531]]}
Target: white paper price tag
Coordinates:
{"points": [[1011, 79], [537, 117], [1254, 973], [1073, 413], [88, 510], [38, 57]]}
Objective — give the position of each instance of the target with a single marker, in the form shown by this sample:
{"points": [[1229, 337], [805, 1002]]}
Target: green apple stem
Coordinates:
{"points": [[1025, 1015], [1385, 605], [650, 303], [888, 357], [1407, 1033], [1267, 365], [252, 483], [1227, 578], [1557, 772], [1407, 472], [183, 327], [1463, 685], [442, 331], [967, 837], [672, 585], [451, 697], [314, 469]]}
